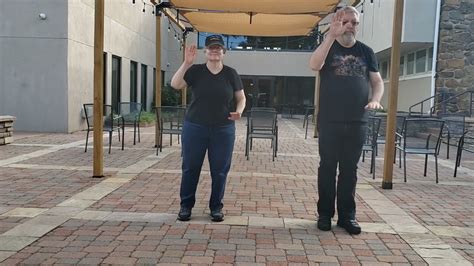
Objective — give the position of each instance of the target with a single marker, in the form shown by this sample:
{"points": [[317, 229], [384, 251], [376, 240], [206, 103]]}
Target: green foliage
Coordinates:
{"points": [[170, 96], [147, 117]]}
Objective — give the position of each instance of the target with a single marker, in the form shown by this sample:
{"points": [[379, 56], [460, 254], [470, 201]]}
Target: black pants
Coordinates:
{"points": [[339, 144]]}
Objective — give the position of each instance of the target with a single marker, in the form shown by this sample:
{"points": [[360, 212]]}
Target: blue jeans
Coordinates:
{"points": [[340, 144], [218, 141]]}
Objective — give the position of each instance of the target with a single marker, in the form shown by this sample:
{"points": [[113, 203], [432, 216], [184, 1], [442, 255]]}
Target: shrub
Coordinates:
{"points": [[147, 117]]}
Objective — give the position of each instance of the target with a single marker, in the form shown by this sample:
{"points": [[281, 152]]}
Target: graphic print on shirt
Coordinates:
{"points": [[349, 65]]}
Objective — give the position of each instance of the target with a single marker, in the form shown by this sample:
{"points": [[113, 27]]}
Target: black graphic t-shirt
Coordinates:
{"points": [[344, 89], [212, 94]]}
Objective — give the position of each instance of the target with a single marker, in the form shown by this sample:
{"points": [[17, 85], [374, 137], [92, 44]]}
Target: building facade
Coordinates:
{"points": [[416, 81], [47, 53]]}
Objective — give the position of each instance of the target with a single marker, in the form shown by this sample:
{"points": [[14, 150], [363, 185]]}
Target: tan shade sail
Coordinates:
{"points": [[252, 25], [255, 17], [260, 6]]}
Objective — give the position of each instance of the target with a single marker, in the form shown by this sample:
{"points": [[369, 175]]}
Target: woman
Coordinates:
{"points": [[218, 100]]}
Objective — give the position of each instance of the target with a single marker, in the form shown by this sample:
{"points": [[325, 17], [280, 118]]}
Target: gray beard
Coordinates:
{"points": [[348, 38]]}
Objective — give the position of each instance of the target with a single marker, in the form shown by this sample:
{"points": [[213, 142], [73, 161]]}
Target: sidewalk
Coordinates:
{"points": [[52, 211]]}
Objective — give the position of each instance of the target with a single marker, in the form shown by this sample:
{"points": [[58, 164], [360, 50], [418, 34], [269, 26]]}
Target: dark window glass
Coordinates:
{"points": [[116, 81], [143, 88], [133, 81]]}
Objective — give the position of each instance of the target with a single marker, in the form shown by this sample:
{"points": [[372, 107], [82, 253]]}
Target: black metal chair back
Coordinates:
{"points": [[111, 122], [422, 136], [262, 124], [370, 144], [131, 113], [171, 120]]}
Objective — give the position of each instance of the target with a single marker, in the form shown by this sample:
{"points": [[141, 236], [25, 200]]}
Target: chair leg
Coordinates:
{"points": [[400, 158], [118, 130], [110, 140], [372, 165], [161, 142], [405, 166], [134, 133], [247, 147], [123, 136], [426, 164], [138, 125], [436, 166], [458, 161], [273, 151], [363, 156], [276, 136], [87, 140], [447, 150]]}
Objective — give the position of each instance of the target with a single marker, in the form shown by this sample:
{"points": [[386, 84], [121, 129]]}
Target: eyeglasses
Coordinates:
{"points": [[354, 23]]}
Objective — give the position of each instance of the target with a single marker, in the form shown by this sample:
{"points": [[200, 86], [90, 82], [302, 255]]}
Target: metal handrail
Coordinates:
{"points": [[422, 103], [443, 102]]}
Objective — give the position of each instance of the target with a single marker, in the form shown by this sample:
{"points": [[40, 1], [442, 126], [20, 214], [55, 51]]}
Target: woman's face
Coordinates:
{"points": [[215, 53]]}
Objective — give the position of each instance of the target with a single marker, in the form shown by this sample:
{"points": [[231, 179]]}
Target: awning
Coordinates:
{"points": [[255, 17]]}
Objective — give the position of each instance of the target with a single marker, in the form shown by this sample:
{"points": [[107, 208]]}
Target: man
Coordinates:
{"points": [[347, 69]]}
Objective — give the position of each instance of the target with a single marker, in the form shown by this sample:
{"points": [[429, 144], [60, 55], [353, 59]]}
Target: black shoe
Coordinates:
{"points": [[184, 214], [217, 215], [324, 223], [351, 226]]}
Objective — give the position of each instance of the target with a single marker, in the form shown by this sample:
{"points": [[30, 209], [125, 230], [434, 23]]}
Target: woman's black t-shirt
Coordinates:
{"points": [[344, 89], [212, 94]]}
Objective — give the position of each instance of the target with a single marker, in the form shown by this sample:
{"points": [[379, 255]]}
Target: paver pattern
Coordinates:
{"points": [[53, 212]]}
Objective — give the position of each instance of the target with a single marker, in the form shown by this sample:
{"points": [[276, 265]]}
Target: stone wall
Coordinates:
{"points": [[6, 129], [455, 65]]}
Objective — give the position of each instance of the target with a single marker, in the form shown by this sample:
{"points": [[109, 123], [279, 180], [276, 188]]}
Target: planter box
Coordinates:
{"points": [[6, 129]]}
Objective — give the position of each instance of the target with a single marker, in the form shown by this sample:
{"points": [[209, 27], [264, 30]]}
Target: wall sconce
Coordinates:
{"points": [[42, 16]]}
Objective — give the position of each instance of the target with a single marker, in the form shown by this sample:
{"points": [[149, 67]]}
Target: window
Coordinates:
{"points": [[303, 43], [116, 81], [421, 61], [402, 66], [410, 63], [430, 59], [384, 71], [143, 88], [133, 81]]}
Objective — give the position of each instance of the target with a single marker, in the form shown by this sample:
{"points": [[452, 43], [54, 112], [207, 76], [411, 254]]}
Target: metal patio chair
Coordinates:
{"points": [[421, 136], [370, 144], [131, 112], [171, 119], [112, 122], [262, 124]]}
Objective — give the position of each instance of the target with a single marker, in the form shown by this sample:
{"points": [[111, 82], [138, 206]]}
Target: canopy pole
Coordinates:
{"points": [[393, 96], [158, 75], [98, 157]]}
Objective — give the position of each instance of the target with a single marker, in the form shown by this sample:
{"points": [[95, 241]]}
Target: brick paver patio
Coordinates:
{"points": [[52, 211]]}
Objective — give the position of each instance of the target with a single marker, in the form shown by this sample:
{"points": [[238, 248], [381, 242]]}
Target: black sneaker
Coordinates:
{"points": [[324, 223], [351, 226], [217, 215], [184, 214]]}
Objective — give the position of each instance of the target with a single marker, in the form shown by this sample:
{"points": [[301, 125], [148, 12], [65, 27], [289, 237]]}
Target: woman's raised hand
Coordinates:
{"points": [[190, 54]]}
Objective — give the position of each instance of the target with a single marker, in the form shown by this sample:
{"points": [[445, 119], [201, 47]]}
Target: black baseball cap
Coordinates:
{"points": [[214, 40]]}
